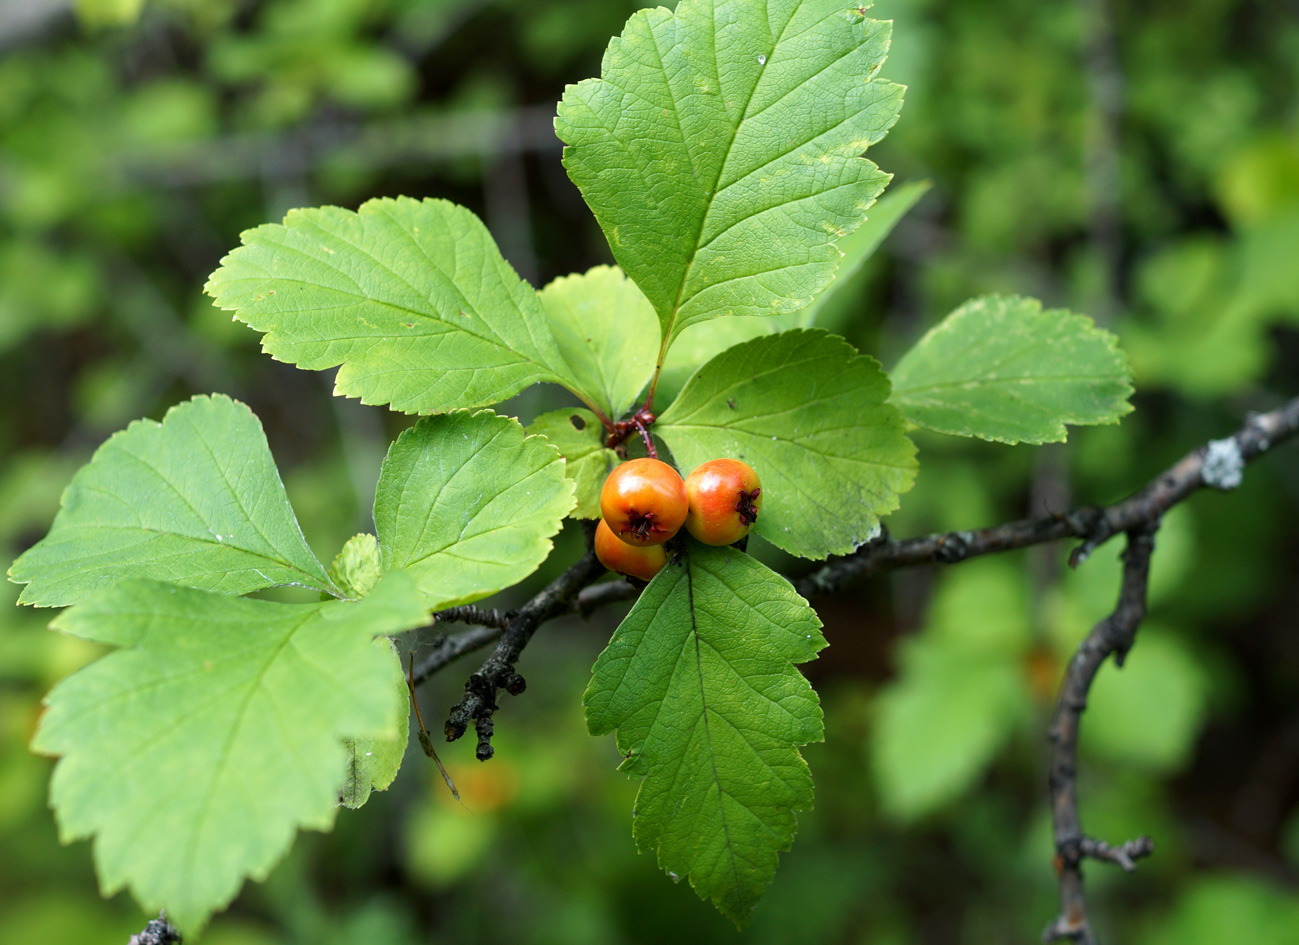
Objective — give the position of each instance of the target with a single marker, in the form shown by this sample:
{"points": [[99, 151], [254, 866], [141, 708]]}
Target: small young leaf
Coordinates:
{"points": [[357, 568], [587, 461], [720, 149], [194, 752], [373, 762], [195, 500], [1000, 368], [808, 413], [467, 503], [607, 333], [411, 298], [700, 684]]}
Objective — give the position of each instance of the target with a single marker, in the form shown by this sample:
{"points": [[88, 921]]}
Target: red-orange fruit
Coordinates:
{"points": [[633, 560], [724, 497], [644, 502]]}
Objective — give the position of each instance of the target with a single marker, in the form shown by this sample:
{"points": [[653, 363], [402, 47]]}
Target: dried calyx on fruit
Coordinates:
{"points": [[724, 498], [644, 502]]}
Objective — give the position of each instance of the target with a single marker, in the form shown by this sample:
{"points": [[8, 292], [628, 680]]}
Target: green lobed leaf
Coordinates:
{"points": [[808, 413], [194, 752], [411, 300], [720, 149], [699, 681], [705, 340], [587, 461], [194, 500], [467, 503], [1002, 368], [607, 333], [373, 761]]}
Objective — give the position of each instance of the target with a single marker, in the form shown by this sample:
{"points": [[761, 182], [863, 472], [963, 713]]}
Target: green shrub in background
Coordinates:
{"points": [[237, 119]]}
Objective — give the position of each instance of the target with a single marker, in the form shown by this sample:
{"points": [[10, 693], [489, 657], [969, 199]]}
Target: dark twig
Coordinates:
{"points": [[480, 616], [452, 648], [1125, 855], [1217, 464], [1115, 635], [602, 595], [497, 672], [158, 932]]}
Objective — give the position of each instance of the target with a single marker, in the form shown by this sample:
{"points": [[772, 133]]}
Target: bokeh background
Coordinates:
{"points": [[1135, 161]]}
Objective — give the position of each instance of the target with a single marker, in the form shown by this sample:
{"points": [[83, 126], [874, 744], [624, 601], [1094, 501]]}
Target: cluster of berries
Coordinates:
{"points": [[645, 502]]}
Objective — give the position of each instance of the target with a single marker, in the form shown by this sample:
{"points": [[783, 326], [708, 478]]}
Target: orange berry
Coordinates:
{"points": [[633, 560], [724, 498], [644, 502]]}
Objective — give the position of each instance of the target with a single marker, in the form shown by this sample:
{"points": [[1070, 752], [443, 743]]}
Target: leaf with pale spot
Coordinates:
{"points": [[699, 680], [579, 437]]}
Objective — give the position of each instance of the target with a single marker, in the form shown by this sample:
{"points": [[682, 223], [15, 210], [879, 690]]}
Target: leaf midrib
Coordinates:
{"points": [[708, 735], [993, 381], [711, 201], [358, 293]]}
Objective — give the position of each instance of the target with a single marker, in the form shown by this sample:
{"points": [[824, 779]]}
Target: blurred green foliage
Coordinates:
{"points": [[133, 150]]}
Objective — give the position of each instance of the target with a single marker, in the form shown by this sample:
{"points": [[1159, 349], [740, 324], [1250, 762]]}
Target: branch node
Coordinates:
{"points": [[952, 548], [1125, 855], [478, 702], [513, 683]]}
